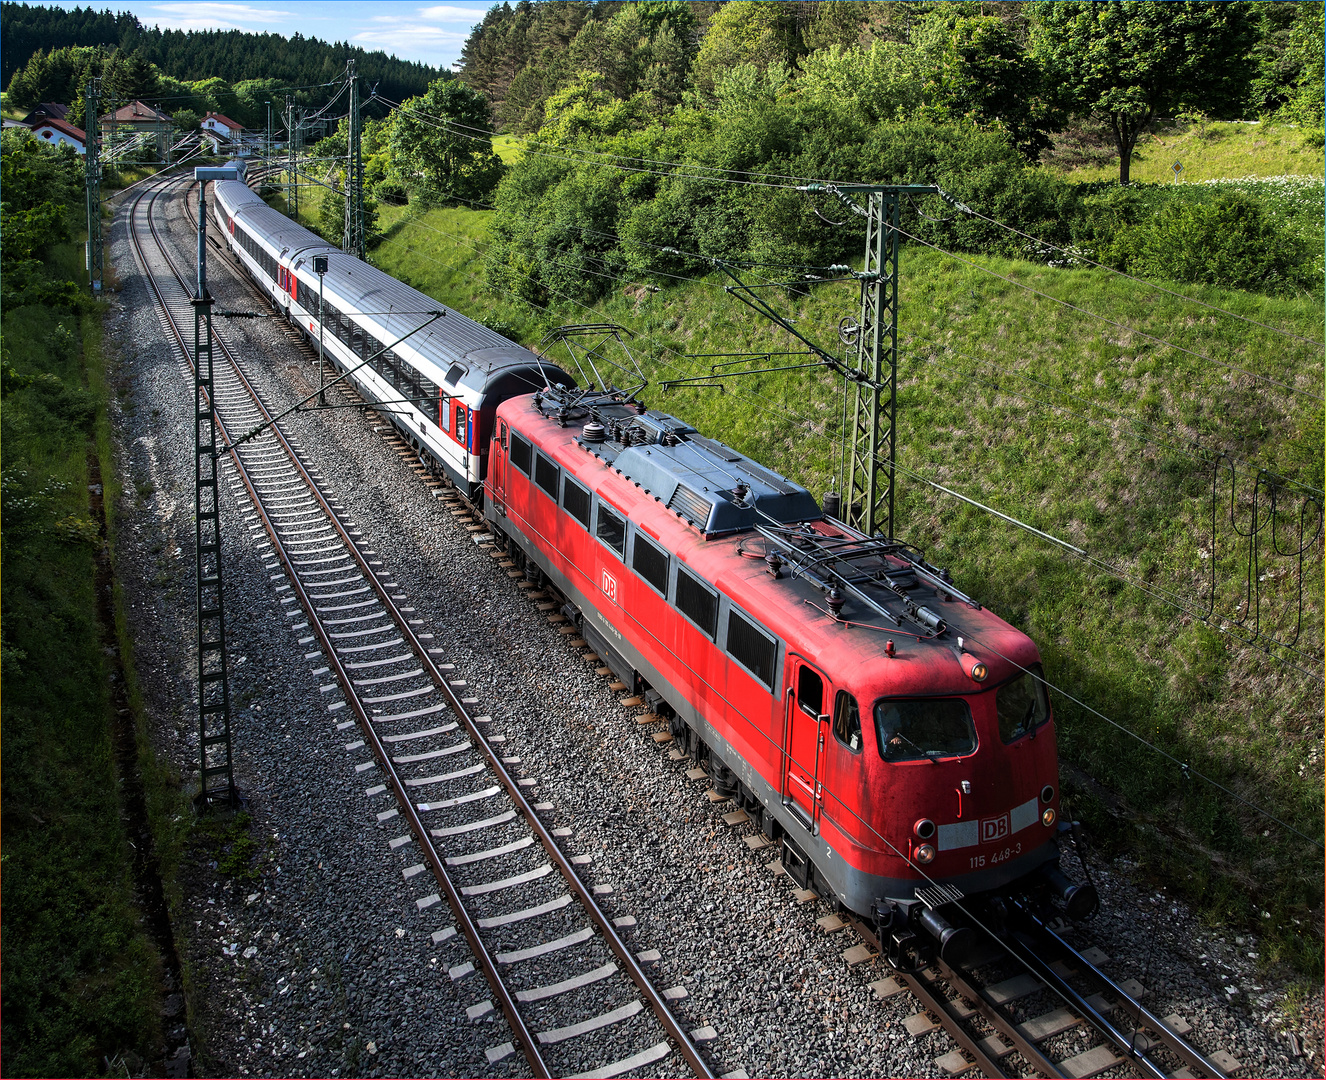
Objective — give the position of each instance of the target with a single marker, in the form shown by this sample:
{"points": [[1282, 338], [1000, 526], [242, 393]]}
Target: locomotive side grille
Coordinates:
{"points": [[696, 602], [749, 645], [520, 453], [545, 474], [575, 500], [650, 563], [691, 504]]}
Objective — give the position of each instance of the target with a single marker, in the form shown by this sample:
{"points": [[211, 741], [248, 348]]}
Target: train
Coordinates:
{"points": [[891, 734]]}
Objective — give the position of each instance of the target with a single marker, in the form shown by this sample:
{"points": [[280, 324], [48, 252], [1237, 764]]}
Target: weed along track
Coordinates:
{"points": [[514, 895]]}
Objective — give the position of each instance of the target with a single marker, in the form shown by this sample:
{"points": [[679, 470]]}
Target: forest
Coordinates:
{"points": [[49, 54], [660, 136]]}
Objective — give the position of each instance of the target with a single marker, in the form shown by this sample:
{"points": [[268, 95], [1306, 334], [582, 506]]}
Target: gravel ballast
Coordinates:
{"points": [[323, 963]]}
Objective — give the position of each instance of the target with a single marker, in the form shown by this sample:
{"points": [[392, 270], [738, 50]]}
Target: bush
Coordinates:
{"points": [[1259, 235], [1227, 241]]}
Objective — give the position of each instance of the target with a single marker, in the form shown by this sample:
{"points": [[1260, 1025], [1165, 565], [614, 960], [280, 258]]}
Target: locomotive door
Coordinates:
{"points": [[497, 466], [803, 756]]}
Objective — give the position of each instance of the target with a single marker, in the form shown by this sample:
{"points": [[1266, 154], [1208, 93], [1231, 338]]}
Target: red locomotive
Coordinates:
{"points": [[886, 727]]}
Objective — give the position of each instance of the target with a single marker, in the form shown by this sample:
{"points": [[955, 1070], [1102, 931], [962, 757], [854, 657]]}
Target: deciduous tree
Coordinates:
{"points": [[1125, 62], [441, 147]]}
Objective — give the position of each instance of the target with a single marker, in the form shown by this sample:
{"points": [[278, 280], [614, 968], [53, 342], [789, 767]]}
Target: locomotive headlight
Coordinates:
{"points": [[1047, 818], [924, 854], [974, 668], [925, 828]]}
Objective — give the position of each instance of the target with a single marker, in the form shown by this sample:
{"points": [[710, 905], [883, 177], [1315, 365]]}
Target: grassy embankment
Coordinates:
{"points": [[1086, 431], [1210, 150], [82, 978]]}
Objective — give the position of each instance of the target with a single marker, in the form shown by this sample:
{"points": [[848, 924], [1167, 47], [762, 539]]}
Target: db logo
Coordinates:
{"points": [[995, 828], [609, 586]]}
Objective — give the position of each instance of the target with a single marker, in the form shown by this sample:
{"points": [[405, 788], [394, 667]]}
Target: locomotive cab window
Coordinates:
{"points": [[753, 649], [650, 562], [546, 475], [847, 721], [697, 602], [1022, 704], [520, 453], [810, 689], [611, 529], [575, 501], [925, 728]]}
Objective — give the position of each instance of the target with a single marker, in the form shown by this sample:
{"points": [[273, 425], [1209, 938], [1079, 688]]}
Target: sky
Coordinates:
{"points": [[428, 33]]}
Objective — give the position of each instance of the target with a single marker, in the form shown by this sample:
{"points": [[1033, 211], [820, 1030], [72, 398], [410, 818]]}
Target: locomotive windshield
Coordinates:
{"points": [[927, 728], [1022, 704]]}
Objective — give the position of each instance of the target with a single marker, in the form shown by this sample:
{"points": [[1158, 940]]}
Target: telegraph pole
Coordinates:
{"points": [[216, 774], [353, 240], [868, 487], [92, 177]]}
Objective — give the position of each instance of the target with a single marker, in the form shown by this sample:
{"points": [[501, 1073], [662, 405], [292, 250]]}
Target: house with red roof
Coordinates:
{"points": [[60, 133]]}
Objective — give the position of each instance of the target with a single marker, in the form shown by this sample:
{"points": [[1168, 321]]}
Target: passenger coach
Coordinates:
{"points": [[438, 382]]}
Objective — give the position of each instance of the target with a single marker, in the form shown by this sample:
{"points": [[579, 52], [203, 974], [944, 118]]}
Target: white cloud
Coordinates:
{"points": [[410, 37], [451, 13], [216, 16], [224, 11]]}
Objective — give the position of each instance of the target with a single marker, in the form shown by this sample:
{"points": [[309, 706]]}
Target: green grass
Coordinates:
{"points": [[1083, 430], [508, 147], [1207, 151], [81, 978]]}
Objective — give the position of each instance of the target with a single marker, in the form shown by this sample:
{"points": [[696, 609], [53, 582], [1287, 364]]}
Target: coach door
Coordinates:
{"points": [[805, 731]]}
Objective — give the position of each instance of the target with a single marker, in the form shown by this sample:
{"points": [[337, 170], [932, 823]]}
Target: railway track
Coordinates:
{"points": [[535, 929], [1031, 1004]]}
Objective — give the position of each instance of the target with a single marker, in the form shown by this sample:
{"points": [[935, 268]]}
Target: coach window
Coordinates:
{"points": [[752, 648], [427, 403], [810, 687], [520, 453], [546, 475], [460, 429], [650, 562], [611, 529], [575, 501], [847, 721], [697, 602]]}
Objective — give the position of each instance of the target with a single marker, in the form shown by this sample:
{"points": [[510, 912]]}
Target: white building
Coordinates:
{"points": [[60, 133]]}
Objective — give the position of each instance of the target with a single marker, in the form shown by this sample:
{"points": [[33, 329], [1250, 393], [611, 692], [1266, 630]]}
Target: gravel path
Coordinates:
{"points": [[324, 965]]}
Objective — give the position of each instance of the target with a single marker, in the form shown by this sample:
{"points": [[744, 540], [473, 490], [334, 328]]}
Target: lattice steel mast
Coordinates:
{"points": [[293, 122], [92, 177], [216, 771], [353, 240], [868, 487]]}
